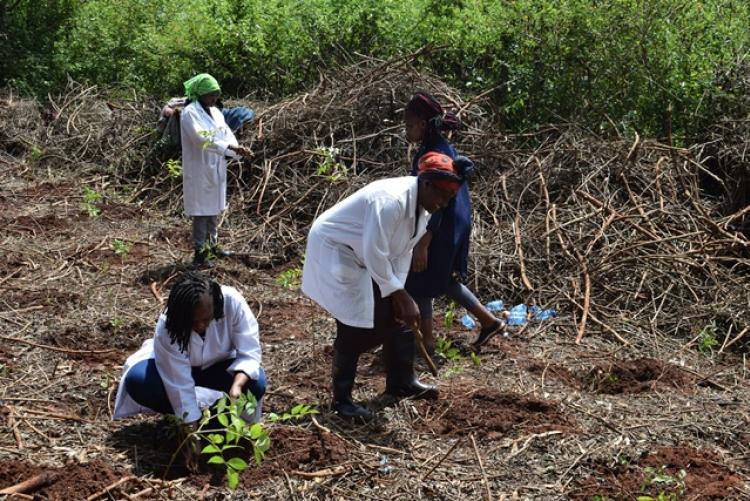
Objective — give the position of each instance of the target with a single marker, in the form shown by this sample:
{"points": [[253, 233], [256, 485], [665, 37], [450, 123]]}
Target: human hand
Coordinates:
{"points": [[239, 382], [405, 310]]}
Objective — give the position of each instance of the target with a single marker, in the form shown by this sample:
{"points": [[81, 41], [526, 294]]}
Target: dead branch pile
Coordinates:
{"points": [[620, 235]]}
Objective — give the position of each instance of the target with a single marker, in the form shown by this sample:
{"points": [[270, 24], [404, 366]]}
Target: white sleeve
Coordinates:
{"points": [[243, 330], [382, 217], [175, 371], [195, 133]]}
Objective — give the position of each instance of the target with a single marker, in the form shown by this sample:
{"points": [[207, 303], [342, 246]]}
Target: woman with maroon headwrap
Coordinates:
{"points": [[441, 257], [357, 259]]}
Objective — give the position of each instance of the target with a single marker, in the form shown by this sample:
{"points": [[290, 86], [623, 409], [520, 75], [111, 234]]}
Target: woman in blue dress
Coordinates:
{"points": [[440, 259]]}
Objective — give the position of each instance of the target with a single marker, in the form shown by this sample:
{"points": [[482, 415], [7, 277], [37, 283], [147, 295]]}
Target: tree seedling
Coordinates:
{"points": [[89, 201], [708, 338], [330, 166], [295, 413], [290, 279], [121, 247], [233, 431], [450, 314]]}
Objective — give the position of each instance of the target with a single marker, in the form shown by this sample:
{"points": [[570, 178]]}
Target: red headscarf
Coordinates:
{"points": [[439, 170]]}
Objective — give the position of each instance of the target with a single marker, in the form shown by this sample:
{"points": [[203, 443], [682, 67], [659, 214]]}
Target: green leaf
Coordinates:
{"points": [[273, 417], [238, 464], [297, 409], [233, 478], [263, 443], [210, 449], [215, 438], [216, 460], [259, 455], [256, 430], [223, 419]]}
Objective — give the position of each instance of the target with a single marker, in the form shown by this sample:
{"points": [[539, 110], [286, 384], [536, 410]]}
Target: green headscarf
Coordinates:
{"points": [[200, 85]]}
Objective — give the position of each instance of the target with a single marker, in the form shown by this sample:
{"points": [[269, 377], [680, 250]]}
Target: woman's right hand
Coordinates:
{"points": [[405, 309]]}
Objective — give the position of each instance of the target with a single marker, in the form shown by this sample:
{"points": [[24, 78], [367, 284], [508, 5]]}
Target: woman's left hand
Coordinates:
{"points": [[239, 382]]}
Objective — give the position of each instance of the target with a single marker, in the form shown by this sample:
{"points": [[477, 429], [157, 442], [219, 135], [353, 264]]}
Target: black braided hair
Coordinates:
{"points": [[183, 299]]}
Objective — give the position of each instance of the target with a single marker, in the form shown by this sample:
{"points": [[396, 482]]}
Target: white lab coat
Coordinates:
{"points": [[234, 336], [205, 141], [368, 236]]}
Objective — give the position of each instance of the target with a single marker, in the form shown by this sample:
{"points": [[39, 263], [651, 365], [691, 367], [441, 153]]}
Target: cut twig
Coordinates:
{"points": [[110, 487], [34, 483], [485, 481]]}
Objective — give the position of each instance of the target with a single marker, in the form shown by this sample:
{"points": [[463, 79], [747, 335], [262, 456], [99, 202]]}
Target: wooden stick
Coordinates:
{"points": [[156, 292], [423, 350], [110, 487], [586, 300], [519, 251], [32, 484], [455, 444], [326, 472], [14, 426], [481, 467], [736, 338]]}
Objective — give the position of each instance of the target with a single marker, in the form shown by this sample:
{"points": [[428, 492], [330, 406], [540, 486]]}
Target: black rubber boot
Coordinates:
{"points": [[220, 252], [344, 370], [200, 259], [400, 380]]}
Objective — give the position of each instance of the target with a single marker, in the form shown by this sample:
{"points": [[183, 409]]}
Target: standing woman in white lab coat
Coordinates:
{"points": [[206, 142], [357, 259], [206, 344]]}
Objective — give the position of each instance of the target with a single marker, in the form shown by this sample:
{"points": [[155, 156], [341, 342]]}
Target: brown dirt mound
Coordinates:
{"points": [[553, 371], [51, 301], [121, 339], [70, 483], [492, 414], [705, 477], [636, 376], [284, 320]]}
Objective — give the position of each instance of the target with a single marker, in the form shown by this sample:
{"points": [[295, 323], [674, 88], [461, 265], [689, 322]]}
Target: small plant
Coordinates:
{"points": [[475, 359], [234, 430], [116, 323], [297, 412], [660, 476], [708, 337], [450, 314], [89, 201], [174, 168], [601, 498], [290, 279], [444, 349], [36, 153], [330, 166], [121, 247]]}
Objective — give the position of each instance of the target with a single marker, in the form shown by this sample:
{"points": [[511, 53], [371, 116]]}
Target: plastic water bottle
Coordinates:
{"points": [[545, 314], [518, 315], [468, 322], [496, 305]]}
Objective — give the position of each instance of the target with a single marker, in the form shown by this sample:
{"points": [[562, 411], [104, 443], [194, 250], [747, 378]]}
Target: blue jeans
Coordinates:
{"points": [[145, 386]]}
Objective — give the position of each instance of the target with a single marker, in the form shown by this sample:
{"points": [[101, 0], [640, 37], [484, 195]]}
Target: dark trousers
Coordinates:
{"points": [[145, 386], [357, 340]]}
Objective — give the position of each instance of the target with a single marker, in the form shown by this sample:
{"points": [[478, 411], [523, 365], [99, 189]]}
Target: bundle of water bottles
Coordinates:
{"points": [[518, 315]]}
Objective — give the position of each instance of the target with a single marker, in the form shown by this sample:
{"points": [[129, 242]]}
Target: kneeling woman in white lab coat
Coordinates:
{"points": [[357, 259], [206, 344]]}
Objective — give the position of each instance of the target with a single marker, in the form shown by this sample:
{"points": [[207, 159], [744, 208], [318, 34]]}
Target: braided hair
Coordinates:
{"points": [[424, 106], [183, 299]]}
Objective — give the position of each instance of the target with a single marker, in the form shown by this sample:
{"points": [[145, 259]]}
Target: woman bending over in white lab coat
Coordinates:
{"points": [[206, 344], [357, 259]]}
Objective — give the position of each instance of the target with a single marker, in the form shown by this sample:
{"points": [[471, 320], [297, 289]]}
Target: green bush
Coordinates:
{"points": [[607, 62]]}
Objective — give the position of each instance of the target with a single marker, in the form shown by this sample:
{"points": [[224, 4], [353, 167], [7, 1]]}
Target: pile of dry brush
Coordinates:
{"points": [[624, 236]]}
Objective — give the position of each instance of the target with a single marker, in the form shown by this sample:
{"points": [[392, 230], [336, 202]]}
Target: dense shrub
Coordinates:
{"points": [[611, 63]]}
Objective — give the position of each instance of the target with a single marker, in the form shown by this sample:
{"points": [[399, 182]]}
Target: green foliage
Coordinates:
{"points": [[121, 247], [708, 337], [475, 359], [297, 412], [613, 64], [450, 314], [174, 168], [660, 477], [233, 432], [88, 202], [290, 279], [36, 154], [330, 166]]}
